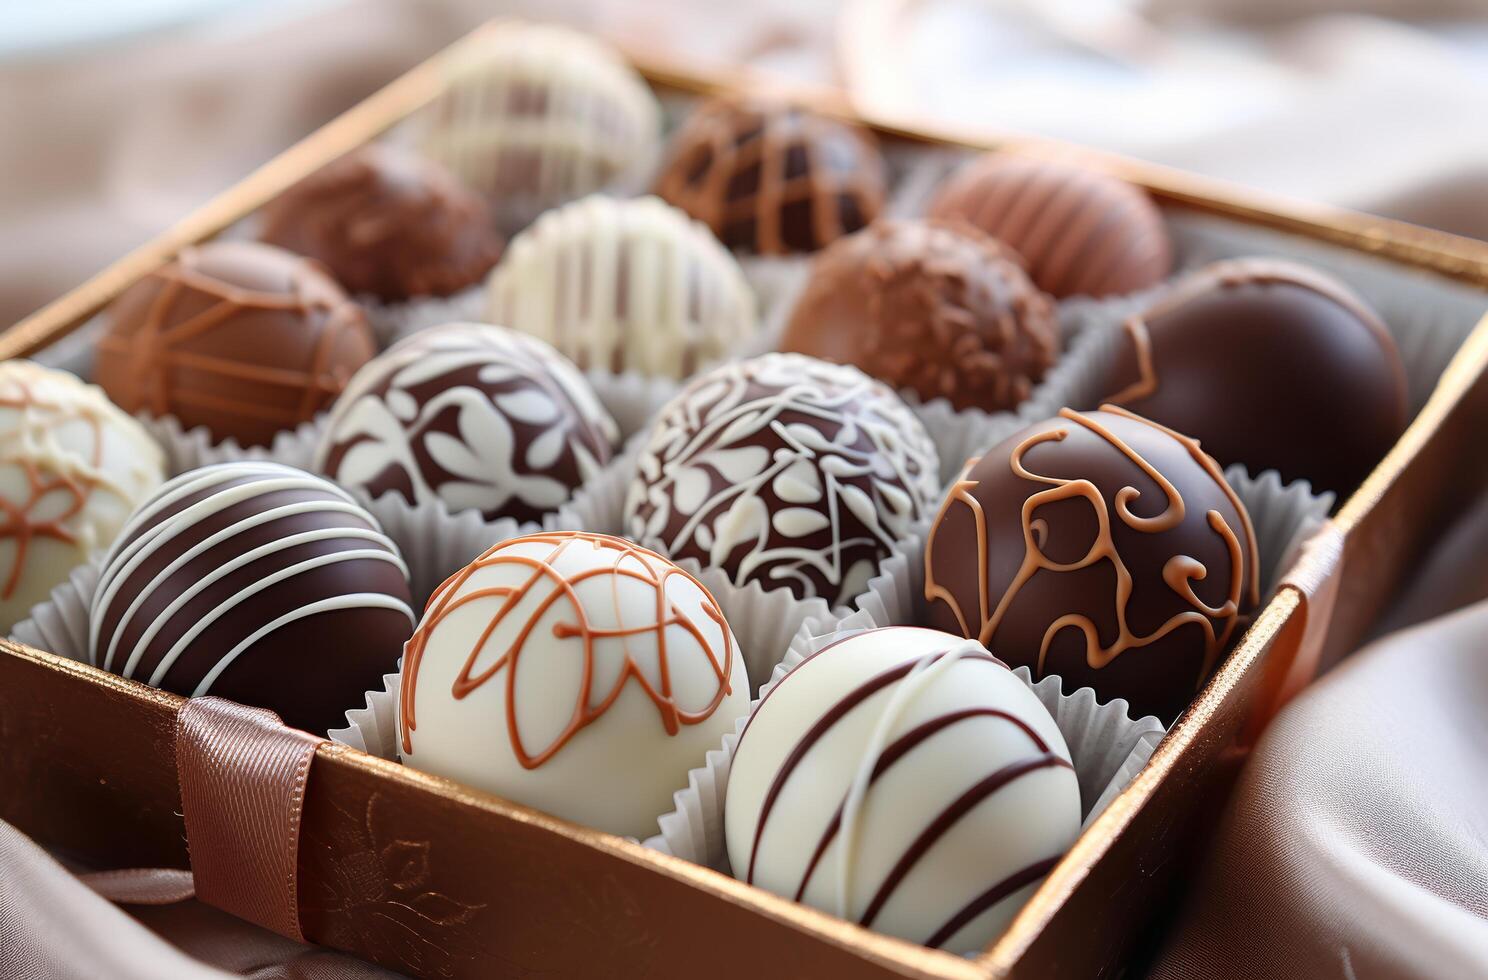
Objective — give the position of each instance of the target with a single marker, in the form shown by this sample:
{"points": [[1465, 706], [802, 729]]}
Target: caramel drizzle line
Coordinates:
{"points": [[1179, 572], [443, 603], [1141, 341]]}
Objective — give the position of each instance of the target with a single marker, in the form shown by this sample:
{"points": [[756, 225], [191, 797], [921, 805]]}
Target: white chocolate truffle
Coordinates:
{"points": [[572, 672], [624, 285], [72, 468], [473, 416], [538, 115], [921, 758]]}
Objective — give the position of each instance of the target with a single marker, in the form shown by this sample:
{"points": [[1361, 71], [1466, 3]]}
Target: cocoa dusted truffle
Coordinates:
{"points": [[387, 223], [1082, 232], [255, 582], [786, 471], [1101, 548], [935, 307], [242, 338], [1271, 364], [773, 179]]}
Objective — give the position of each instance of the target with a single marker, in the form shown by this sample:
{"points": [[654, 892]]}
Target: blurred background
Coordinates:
{"points": [[119, 116]]}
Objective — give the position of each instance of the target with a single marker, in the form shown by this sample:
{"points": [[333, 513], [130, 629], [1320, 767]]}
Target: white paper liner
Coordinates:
{"points": [[391, 322], [60, 624], [187, 449]]}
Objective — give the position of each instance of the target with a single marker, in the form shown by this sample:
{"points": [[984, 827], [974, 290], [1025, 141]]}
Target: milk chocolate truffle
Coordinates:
{"points": [[387, 223], [773, 179], [245, 339], [537, 115], [255, 582], [72, 468], [786, 471], [1082, 232], [1101, 548], [572, 672], [470, 415], [934, 307], [1270, 364], [903, 779]]}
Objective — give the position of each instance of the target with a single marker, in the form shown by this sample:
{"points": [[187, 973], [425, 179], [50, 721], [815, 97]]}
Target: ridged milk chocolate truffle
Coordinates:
{"points": [[387, 223], [1082, 232], [572, 672], [624, 285], [1101, 548], [1271, 364], [245, 339], [72, 468], [903, 779], [934, 307], [773, 178], [258, 583], [470, 415], [786, 471]]}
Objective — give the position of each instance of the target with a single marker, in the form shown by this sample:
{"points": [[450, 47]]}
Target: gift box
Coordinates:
{"points": [[425, 876]]}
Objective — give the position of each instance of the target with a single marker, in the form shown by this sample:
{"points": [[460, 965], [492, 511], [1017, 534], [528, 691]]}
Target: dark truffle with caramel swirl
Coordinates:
{"points": [[1101, 548], [935, 307]]}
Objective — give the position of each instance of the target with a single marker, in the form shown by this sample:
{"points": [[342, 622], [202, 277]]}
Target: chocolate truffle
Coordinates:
{"points": [[255, 582], [572, 672], [934, 307], [72, 467], [773, 179], [624, 285], [903, 779], [1082, 232], [470, 415], [1101, 548], [244, 339], [786, 471], [387, 223], [1270, 364], [537, 115]]}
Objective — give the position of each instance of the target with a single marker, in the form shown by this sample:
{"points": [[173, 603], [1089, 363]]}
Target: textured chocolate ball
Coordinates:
{"points": [[473, 416], [771, 178], [1099, 547], [243, 338], [934, 307], [786, 471], [1082, 232], [1270, 364], [387, 223], [255, 582]]}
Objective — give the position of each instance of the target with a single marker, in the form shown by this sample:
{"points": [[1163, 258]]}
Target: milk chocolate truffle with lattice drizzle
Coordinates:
{"points": [[472, 416], [786, 471], [772, 178], [624, 285], [387, 223], [245, 339], [573, 672], [1271, 364], [1081, 231], [1099, 547], [72, 468], [255, 582], [934, 307], [903, 779]]}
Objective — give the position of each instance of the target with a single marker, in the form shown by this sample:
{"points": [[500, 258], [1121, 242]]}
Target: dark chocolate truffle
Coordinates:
{"points": [[473, 416], [1101, 548], [935, 307], [1082, 232], [387, 223], [773, 179], [786, 471], [245, 339], [1270, 364], [255, 582]]}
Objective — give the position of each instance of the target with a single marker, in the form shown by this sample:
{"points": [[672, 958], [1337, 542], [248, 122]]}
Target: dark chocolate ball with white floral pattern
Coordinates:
{"points": [[472, 416], [786, 471]]}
